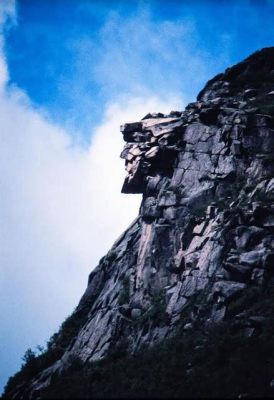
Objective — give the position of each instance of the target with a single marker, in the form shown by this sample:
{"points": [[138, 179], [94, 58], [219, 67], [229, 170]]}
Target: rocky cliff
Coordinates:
{"points": [[204, 237]]}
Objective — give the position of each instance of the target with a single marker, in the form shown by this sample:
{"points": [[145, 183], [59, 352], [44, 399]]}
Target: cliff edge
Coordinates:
{"points": [[201, 251]]}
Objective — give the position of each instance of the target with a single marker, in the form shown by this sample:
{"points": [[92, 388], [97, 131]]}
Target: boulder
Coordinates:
{"points": [[248, 236], [269, 221], [188, 327], [248, 93], [152, 152], [209, 116], [228, 289], [268, 261], [218, 314], [270, 188], [167, 199], [136, 313], [237, 272], [236, 147], [131, 127], [252, 258], [149, 208]]}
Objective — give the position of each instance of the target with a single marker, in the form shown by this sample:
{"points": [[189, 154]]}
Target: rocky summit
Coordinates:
{"points": [[200, 254]]}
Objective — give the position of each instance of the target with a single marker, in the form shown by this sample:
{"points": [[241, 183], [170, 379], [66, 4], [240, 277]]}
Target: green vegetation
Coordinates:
{"points": [[253, 75], [155, 314], [217, 364], [111, 256], [199, 210], [204, 363], [256, 72], [35, 362], [265, 104], [125, 292], [245, 301]]}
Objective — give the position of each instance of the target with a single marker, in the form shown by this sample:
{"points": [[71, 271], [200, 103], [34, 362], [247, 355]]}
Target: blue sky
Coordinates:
{"points": [[71, 56], [72, 71]]}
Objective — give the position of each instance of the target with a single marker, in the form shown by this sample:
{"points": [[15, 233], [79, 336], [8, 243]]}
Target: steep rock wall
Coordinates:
{"points": [[205, 231]]}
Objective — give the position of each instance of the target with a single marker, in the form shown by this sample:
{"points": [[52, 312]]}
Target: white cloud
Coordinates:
{"points": [[142, 53], [60, 211], [138, 54]]}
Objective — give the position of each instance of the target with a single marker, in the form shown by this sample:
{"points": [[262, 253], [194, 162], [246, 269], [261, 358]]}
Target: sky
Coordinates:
{"points": [[71, 72]]}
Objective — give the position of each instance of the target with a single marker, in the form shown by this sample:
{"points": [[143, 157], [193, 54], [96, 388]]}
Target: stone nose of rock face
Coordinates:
{"points": [[150, 149]]}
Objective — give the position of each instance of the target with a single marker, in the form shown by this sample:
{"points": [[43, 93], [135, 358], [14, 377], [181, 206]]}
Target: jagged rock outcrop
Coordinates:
{"points": [[205, 231]]}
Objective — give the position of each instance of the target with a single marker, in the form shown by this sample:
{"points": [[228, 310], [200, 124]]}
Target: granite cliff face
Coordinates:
{"points": [[204, 236]]}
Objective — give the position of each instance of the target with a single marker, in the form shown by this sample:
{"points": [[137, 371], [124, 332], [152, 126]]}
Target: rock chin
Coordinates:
{"points": [[205, 232]]}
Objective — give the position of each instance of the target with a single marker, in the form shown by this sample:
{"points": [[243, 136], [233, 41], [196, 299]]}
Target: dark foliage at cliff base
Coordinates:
{"points": [[214, 362], [204, 364]]}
